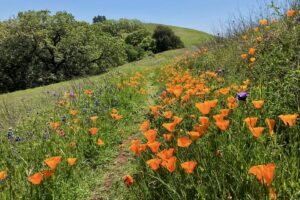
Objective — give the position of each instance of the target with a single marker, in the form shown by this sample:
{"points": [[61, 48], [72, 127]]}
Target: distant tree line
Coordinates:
{"points": [[37, 48]]}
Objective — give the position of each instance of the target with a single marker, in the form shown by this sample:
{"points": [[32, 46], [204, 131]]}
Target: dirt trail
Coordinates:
{"points": [[115, 170]]}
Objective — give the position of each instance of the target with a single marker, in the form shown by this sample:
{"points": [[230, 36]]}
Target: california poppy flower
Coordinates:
{"points": [[145, 126], [36, 178], [47, 173], [114, 111], [150, 135], [168, 114], [258, 104], [252, 51], [289, 120], [251, 121], [290, 13], [264, 173], [116, 116], [189, 166], [170, 164], [271, 125], [204, 108], [231, 102], [252, 60], [184, 142], [154, 146], [204, 121], [256, 131], [71, 161], [244, 56], [128, 180], [212, 103], [135, 147], [94, 118], [194, 135], [224, 91], [73, 112], [93, 131], [89, 92], [53, 161], [55, 125], [272, 194], [218, 117], [166, 154], [168, 136], [263, 22], [222, 125], [154, 163], [224, 112], [170, 126], [177, 119], [3, 175]]}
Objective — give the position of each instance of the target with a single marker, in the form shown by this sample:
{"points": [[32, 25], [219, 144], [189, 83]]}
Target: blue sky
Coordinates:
{"points": [[205, 15]]}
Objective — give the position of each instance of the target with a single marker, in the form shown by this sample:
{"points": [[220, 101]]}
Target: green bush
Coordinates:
{"points": [[166, 39]]}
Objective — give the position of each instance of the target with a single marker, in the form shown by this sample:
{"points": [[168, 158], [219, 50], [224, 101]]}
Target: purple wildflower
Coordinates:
{"points": [[219, 71], [242, 96]]}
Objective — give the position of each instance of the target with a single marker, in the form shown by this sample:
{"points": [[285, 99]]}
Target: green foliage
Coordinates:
{"points": [[37, 49], [134, 53], [166, 39], [99, 19]]}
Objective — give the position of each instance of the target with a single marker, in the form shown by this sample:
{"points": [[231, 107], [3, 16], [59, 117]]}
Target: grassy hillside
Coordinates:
{"points": [[14, 105], [188, 36]]}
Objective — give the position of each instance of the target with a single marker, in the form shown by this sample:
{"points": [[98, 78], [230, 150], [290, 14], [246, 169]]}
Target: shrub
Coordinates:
{"points": [[166, 39]]}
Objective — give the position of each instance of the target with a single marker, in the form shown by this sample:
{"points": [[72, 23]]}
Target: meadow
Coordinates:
{"points": [[217, 120]]}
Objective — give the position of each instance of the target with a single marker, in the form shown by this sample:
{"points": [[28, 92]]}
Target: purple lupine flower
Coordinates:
{"points": [[71, 94], [219, 71], [242, 96], [10, 135], [64, 118], [84, 110], [18, 139]]}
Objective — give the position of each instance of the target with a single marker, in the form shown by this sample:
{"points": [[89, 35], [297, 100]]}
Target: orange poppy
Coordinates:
{"points": [[264, 173], [3, 175], [263, 22], [244, 56], [93, 131], [222, 125], [154, 163], [89, 92], [194, 135], [257, 131], [116, 116], [170, 126], [256, 29], [55, 125], [168, 114], [252, 51], [100, 142], [252, 60], [135, 147], [271, 125], [166, 154], [231, 103], [224, 91], [251, 121], [71, 161], [259, 39], [73, 112], [289, 120], [204, 121], [168, 136], [150, 135], [128, 180], [145, 126], [272, 194], [290, 13], [177, 119], [218, 117], [170, 164], [213, 103], [204, 108], [189, 166], [36, 178], [224, 112], [154, 146], [53, 161], [184, 142], [47, 173], [94, 118], [258, 104]]}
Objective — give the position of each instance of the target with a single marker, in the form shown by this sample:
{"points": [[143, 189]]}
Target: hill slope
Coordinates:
{"points": [[188, 36], [14, 105]]}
